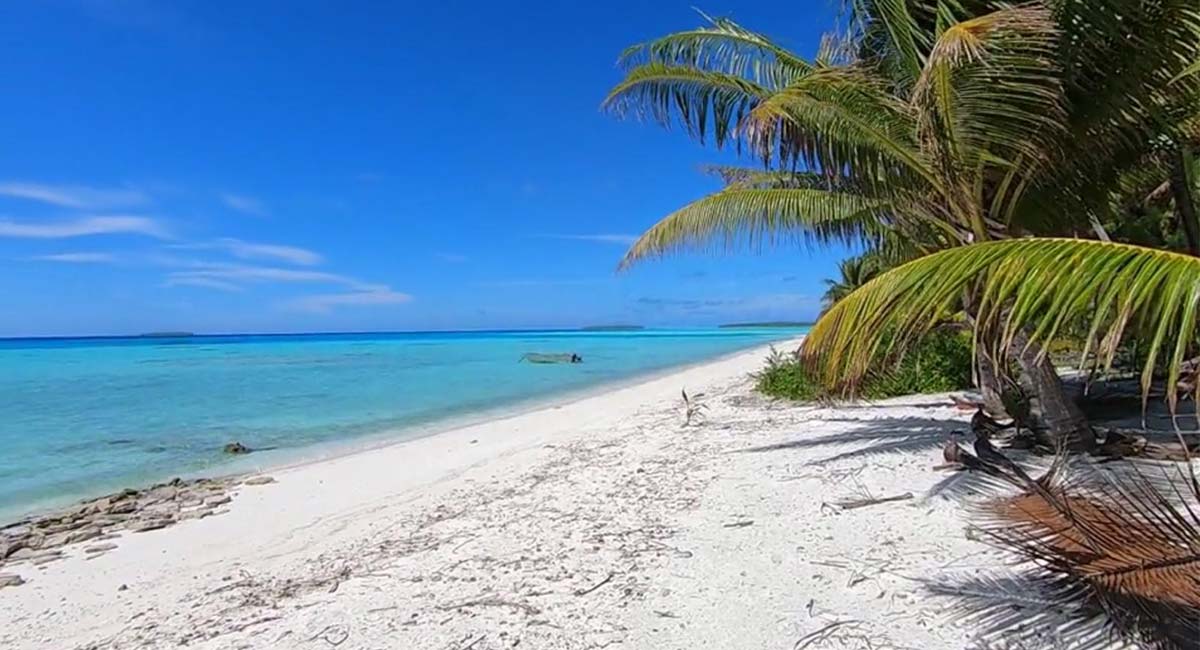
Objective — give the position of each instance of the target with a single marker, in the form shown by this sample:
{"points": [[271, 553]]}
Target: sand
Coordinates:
{"points": [[603, 522]]}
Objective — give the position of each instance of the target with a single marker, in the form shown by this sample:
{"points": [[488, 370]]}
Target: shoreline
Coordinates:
{"points": [[398, 436], [291, 457], [603, 521]]}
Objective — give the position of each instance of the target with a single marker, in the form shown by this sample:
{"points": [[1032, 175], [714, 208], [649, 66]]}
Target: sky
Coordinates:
{"points": [[357, 166]]}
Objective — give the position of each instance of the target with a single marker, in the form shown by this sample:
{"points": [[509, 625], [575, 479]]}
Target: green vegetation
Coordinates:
{"points": [[1028, 170], [940, 362], [969, 147]]}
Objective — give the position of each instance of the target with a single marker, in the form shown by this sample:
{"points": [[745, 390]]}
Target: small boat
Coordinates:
{"points": [[539, 357]]}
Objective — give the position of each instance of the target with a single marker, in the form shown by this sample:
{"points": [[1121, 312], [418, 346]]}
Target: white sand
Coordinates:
{"points": [[602, 522]]}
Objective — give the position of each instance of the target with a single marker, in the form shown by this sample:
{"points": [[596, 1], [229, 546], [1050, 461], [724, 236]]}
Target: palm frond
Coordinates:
{"points": [[723, 46], [1114, 542], [703, 101], [1118, 59], [894, 36], [1190, 70], [1029, 287], [991, 88], [841, 118], [755, 217]]}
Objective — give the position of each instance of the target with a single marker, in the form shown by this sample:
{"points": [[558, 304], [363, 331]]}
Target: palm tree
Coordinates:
{"points": [[855, 272], [948, 124]]}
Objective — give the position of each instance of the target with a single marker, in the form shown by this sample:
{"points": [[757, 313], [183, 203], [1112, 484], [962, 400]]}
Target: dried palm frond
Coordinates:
{"points": [[1120, 544]]}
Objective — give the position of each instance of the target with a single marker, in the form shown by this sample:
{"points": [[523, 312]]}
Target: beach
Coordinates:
{"points": [[600, 522]]}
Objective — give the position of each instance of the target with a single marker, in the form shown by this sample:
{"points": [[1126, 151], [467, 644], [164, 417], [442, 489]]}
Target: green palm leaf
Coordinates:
{"points": [[991, 88], [723, 46], [1031, 288], [842, 118], [701, 100], [757, 216]]}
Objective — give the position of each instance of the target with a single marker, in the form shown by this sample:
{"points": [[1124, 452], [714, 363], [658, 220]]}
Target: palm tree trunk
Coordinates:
{"points": [[987, 378], [1185, 201], [1064, 422], [987, 373]]}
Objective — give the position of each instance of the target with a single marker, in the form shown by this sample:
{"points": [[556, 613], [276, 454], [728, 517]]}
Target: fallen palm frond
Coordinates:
{"points": [[1118, 546]]}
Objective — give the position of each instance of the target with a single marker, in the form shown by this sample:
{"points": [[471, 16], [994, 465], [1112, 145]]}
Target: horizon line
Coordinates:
{"points": [[532, 330]]}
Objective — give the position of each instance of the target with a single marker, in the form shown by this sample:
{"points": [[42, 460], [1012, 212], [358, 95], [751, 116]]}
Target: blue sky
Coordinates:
{"points": [[323, 166]]}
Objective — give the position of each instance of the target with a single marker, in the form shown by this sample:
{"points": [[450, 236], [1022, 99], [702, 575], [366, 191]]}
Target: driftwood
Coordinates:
{"points": [[863, 503], [541, 357]]}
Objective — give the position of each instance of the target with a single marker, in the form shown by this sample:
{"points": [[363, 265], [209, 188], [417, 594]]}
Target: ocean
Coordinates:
{"points": [[82, 417]]}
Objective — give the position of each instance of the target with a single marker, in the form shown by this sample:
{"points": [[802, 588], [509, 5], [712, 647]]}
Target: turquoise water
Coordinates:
{"points": [[87, 416]]}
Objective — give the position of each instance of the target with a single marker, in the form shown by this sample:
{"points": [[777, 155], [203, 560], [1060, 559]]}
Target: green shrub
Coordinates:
{"points": [[784, 376], [938, 363]]}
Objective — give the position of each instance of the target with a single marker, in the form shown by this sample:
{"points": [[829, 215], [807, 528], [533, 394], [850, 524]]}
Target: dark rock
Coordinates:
{"points": [[17, 530], [143, 525], [162, 493], [84, 534], [10, 580], [46, 558], [99, 548], [98, 505], [236, 448], [218, 500], [57, 539], [199, 513], [259, 480], [122, 508], [21, 553]]}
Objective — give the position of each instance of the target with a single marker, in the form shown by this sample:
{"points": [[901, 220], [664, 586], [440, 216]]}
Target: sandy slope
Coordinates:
{"points": [[599, 523]]}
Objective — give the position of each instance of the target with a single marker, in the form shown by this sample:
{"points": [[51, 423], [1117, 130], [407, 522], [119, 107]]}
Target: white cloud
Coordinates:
{"points": [[240, 273], [77, 258], [555, 282], [206, 283], [84, 227], [74, 196], [246, 204], [773, 306], [236, 277], [250, 251], [325, 302], [623, 240]]}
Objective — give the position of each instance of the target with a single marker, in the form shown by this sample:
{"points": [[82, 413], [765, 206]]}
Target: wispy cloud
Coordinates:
{"points": [[550, 282], [84, 227], [800, 305], [451, 258], [254, 251], [245, 204], [205, 283], [74, 196], [242, 274], [325, 302], [623, 240], [77, 258]]}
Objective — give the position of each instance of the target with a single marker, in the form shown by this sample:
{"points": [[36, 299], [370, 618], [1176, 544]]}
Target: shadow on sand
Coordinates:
{"points": [[877, 435]]}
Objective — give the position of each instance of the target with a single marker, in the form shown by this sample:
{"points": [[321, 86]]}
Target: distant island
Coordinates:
{"points": [[165, 335], [781, 323], [611, 328]]}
